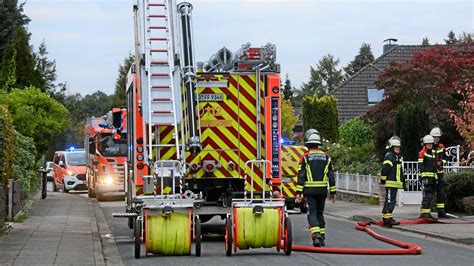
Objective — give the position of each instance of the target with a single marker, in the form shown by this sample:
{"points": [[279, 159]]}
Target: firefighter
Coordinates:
{"points": [[428, 168], [393, 179], [315, 173], [440, 160]]}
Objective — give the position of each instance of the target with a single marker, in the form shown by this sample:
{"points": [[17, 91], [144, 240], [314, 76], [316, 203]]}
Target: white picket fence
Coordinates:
{"points": [[368, 185]]}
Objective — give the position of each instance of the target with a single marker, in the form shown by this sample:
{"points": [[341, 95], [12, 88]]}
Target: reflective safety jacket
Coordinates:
{"points": [[440, 156], [315, 173], [427, 163], [392, 171]]}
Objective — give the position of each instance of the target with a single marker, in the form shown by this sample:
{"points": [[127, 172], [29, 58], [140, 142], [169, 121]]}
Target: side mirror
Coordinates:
{"points": [[61, 164], [92, 147]]}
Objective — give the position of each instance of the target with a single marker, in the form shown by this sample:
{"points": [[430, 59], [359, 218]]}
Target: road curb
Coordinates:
{"points": [[110, 250], [97, 243]]}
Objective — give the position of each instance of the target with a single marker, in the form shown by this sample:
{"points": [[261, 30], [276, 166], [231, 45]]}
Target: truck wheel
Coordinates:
{"points": [[64, 188], [288, 241], [228, 237], [197, 241], [137, 234]]}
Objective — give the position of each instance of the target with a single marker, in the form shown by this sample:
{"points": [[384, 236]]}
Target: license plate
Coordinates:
{"points": [[286, 180], [211, 97]]}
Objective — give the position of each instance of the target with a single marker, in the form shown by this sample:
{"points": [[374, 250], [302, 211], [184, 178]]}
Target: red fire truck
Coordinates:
{"points": [[106, 152]]}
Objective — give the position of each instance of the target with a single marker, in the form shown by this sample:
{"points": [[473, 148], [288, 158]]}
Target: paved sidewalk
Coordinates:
{"points": [[61, 229], [461, 233]]}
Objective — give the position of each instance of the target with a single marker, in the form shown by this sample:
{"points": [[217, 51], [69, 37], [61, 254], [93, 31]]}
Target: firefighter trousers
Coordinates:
{"points": [[315, 213], [430, 186], [390, 201]]}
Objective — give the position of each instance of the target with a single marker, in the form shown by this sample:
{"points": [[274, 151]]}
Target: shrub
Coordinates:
{"points": [[458, 186], [358, 159], [321, 114], [411, 124], [355, 132], [24, 163], [6, 145]]}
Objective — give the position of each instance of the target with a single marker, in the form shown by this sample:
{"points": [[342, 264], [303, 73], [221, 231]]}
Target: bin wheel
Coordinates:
{"points": [[137, 234], [197, 233], [228, 237], [288, 237]]}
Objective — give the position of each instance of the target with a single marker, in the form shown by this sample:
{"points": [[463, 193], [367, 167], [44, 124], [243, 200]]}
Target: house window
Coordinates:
{"points": [[374, 96]]}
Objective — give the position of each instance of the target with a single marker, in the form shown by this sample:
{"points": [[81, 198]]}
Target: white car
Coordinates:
{"points": [[49, 166]]}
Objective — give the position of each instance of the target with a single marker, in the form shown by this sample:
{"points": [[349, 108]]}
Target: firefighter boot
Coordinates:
{"points": [[394, 222], [316, 240], [387, 222], [442, 213], [322, 239], [426, 216]]}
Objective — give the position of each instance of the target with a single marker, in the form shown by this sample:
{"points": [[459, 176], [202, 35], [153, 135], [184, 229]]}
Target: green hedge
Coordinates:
{"points": [[458, 186], [24, 164], [321, 114], [6, 145]]}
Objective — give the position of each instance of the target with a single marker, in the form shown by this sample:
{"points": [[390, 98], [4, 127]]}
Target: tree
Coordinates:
{"points": [[465, 38], [364, 58], [46, 67], [464, 116], [288, 91], [36, 115], [431, 79], [324, 78], [321, 114], [411, 124], [288, 119], [451, 38], [355, 132], [12, 19], [25, 74], [119, 98], [425, 41]]}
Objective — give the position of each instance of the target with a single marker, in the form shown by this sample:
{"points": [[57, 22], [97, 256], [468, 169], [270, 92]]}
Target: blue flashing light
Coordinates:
{"points": [[104, 125], [71, 148]]}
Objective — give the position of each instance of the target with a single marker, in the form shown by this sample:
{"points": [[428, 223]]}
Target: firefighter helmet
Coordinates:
{"points": [[394, 142], [428, 139], [436, 132], [308, 133], [312, 137]]}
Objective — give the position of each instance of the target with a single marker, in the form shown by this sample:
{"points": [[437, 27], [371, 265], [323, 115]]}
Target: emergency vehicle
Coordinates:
{"points": [[69, 170], [106, 151]]}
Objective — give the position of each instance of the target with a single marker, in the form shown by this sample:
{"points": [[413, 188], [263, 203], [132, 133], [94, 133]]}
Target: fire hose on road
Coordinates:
{"points": [[405, 247]]}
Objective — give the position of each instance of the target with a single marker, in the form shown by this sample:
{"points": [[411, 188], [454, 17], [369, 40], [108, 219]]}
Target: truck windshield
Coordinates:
{"points": [[76, 158], [113, 147]]}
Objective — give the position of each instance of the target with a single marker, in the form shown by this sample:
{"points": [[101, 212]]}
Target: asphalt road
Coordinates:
{"points": [[340, 233]]}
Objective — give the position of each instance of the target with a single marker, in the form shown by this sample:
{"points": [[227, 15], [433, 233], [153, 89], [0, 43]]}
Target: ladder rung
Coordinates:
{"points": [[156, 4], [162, 112], [161, 63], [161, 99], [157, 16], [158, 39], [160, 87], [160, 74], [158, 51], [163, 124], [158, 27]]}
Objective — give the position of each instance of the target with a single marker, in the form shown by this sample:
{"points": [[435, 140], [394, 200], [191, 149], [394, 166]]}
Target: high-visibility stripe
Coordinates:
{"points": [[326, 170], [425, 210], [440, 205], [383, 177], [322, 230], [388, 162], [315, 229], [393, 184], [399, 169], [429, 155], [387, 215], [299, 188], [309, 174], [428, 174], [420, 160], [316, 184], [332, 189]]}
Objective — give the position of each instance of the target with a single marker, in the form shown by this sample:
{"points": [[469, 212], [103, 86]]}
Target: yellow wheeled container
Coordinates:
{"points": [[165, 224], [258, 223]]}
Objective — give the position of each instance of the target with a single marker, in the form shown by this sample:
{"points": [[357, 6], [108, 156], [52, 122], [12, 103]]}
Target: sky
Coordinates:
{"points": [[89, 39]]}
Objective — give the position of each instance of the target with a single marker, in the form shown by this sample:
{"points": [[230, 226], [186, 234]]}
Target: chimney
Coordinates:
{"points": [[389, 44]]}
